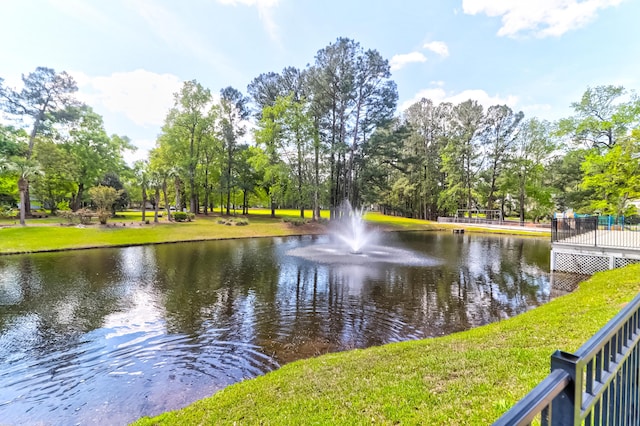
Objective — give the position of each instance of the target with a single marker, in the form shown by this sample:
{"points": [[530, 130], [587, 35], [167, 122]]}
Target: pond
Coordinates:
{"points": [[106, 336]]}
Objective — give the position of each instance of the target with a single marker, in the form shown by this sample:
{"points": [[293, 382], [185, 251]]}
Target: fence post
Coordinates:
{"points": [[565, 408]]}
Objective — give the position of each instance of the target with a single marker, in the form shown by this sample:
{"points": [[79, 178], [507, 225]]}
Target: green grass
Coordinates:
{"points": [[129, 230], [470, 377], [407, 224]]}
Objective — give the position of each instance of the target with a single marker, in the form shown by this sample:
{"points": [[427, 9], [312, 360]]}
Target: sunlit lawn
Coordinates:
{"points": [[53, 234]]}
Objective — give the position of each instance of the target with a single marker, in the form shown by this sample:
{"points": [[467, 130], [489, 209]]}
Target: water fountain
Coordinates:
{"points": [[352, 242], [351, 230]]}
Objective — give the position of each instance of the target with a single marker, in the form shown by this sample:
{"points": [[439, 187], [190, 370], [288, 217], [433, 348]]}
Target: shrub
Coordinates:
{"points": [[82, 216], [233, 222], [7, 212], [296, 221], [180, 216], [103, 216]]}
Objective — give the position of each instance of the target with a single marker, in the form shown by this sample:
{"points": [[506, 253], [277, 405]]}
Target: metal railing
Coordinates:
{"points": [[592, 231], [596, 385], [483, 221]]}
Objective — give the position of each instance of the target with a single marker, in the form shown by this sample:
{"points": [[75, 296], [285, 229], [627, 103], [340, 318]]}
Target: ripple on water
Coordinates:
{"points": [[161, 372]]}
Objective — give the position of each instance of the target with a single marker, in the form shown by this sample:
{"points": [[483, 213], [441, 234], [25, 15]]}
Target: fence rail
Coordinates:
{"points": [[596, 385], [483, 221], [594, 232]]}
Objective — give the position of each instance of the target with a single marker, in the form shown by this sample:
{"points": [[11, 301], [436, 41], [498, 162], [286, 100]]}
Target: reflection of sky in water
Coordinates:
{"points": [[106, 336]]}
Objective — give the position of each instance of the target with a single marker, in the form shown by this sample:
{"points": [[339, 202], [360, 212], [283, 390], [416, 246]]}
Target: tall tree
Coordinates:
{"points": [[267, 87], [289, 128], [460, 157], [94, 153], [233, 113], [141, 172], [352, 95], [500, 129], [45, 96], [56, 184], [186, 126], [615, 177], [533, 147], [602, 117], [269, 161], [429, 124]]}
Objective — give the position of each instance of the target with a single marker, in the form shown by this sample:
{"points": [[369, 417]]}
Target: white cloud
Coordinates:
{"points": [[142, 96], [399, 61], [439, 95], [542, 18], [438, 47], [265, 8]]}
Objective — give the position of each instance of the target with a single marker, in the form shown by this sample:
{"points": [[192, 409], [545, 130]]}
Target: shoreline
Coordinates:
{"points": [[205, 228]]}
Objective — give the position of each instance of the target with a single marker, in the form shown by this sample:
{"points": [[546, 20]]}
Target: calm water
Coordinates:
{"points": [[106, 336]]}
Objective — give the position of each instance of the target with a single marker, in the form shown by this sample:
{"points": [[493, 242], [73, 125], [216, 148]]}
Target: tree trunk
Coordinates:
{"points": [[206, 191], [193, 204], [273, 207], [78, 200], [178, 197], [316, 183], [157, 207], [229, 193], [245, 208], [521, 199], [144, 203], [166, 200], [23, 184]]}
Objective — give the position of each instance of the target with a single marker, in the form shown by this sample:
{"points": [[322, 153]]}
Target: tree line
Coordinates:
{"points": [[315, 137]]}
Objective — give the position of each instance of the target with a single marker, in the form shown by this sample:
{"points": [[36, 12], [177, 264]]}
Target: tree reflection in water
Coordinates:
{"points": [[120, 333]]}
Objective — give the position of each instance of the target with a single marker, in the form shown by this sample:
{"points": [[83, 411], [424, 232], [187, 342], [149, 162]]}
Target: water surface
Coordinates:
{"points": [[106, 336]]}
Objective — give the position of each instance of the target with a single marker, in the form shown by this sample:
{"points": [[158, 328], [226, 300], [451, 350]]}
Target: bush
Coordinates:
{"points": [[103, 216], [81, 216], [233, 222], [296, 221], [180, 216], [7, 212]]}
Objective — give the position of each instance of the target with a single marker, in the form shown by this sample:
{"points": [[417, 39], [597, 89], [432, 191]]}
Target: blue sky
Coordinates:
{"points": [[130, 56]]}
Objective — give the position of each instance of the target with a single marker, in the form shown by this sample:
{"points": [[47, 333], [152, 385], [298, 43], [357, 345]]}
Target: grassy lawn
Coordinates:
{"points": [[470, 377], [48, 233]]}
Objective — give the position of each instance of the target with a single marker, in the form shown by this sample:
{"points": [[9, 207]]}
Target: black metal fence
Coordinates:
{"points": [[596, 385], [593, 231]]}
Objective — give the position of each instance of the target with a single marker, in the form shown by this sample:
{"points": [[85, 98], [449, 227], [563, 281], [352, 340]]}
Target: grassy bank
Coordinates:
{"points": [[48, 234], [470, 377], [128, 229]]}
